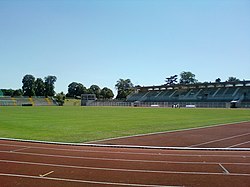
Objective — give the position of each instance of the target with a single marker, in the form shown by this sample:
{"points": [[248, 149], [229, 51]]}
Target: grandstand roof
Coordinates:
{"points": [[196, 85]]}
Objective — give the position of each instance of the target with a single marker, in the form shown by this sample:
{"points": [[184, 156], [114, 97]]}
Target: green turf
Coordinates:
{"points": [[81, 124], [72, 102]]}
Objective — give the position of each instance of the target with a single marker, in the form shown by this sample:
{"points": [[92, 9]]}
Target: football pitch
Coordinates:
{"points": [[82, 124]]}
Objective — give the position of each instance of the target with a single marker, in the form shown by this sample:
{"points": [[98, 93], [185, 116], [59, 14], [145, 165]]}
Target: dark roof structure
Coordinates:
{"points": [[216, 91]]}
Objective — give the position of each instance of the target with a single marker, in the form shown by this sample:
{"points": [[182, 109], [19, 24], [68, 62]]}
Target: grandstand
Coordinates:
{"points": [[223, 92], [26, 101]]}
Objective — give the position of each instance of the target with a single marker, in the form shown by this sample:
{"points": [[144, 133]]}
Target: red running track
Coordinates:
{"points": [[35, 164], [235, 135]]}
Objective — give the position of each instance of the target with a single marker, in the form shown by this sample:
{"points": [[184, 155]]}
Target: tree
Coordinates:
{"points": [[171, 80], [49, 85], [218, 80], [72, 89], [17, 93], [124, 88], [76, 89], [7, 92], [39, 87], [107, 93], [60, 98], [28, 85], [232, 79], [94, 89], [187, 78]]}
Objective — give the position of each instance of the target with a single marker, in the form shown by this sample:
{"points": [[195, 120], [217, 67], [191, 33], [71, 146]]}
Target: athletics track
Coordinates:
{"points": [[39, 164]]}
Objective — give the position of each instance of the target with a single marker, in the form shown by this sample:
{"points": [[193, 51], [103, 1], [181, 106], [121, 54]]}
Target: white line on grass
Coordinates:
{"points": [[77, 181], [219, 140]]}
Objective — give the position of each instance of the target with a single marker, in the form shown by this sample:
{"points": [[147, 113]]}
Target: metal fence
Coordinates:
{"points": [[111, 103], [171, 104]]}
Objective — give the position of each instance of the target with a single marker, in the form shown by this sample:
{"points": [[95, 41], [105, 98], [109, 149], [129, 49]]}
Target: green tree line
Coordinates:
{"points": [[77, 89], [187, 77], [46, 87], [123, 86], [33, 86], [38, 87]]}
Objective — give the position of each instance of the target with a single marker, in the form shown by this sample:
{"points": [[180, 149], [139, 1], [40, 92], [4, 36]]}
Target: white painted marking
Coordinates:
{"points": [[218, 140], [46, 174], [224, 169], [83, 167], [10, 145], [128, 153], [78, 181], [126, 170], [16, 150], [171, 148], [141, 147], [239, 144], [164, 148], [115, 159], [155, 133]]}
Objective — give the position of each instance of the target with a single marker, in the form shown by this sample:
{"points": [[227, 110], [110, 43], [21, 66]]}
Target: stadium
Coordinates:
{"points": [[203, 95], [215, 95], [128, 93], [169, 135]]}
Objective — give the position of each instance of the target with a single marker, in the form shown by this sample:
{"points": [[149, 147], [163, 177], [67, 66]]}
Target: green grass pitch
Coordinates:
{"points": [[82, 124]]}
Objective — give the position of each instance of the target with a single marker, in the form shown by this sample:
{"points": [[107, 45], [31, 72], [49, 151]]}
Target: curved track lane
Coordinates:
{"points": [[26, 164]]}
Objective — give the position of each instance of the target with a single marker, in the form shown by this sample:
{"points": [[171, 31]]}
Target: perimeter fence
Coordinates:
{"points": [[170, 104]]}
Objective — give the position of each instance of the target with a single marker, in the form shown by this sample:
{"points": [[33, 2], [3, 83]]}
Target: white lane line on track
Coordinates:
{"points": [[119, 160], [127, 170], [46, 174], [21, 149], [239, 144], [82, 167], [144, 147], [79, 181], [130, 146], [129, 153], [224, 169], [133, 146], [156, 133], [221, 139]]}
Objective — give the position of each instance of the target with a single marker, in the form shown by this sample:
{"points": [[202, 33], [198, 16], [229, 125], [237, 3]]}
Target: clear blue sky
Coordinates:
{"points": [[101, 41]]}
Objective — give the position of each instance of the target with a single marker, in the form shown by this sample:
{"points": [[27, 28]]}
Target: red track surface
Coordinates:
{"points": [[37, 164], [223, 136]]}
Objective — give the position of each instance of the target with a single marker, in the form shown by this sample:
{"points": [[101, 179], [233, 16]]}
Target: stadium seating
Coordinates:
{"points": [[7, 101], [209, 92], [26, 101]]}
